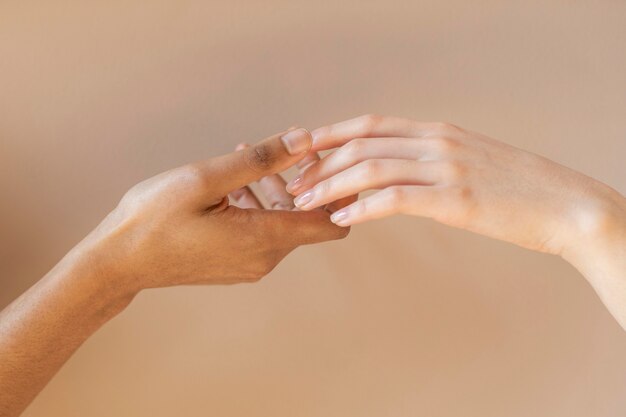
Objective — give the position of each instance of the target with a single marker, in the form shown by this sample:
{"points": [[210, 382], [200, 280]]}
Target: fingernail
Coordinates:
{"points": [[297, 141], [304, 199], [294, 184], [340, 218]]}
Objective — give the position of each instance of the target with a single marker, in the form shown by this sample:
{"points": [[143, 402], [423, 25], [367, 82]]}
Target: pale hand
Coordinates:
{"points": [[467, 180]]}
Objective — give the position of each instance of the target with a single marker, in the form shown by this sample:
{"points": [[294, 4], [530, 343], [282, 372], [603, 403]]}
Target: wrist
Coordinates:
{"points": [[92, 282], [599, 224]]}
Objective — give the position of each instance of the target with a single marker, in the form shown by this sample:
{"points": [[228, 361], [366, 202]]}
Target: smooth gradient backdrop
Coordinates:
{"points": [[404, 318]]}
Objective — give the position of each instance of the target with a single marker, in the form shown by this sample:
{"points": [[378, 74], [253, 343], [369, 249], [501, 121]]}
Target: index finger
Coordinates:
{"points": [[367, 126], [270, 156], [294, 228]]}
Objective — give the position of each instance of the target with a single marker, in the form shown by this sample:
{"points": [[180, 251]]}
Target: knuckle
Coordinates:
{"points": [[445, 127], [445, 145], [372, 168], [462, 199], [354, 148], [369, 121], [186, 180], [463, 194], [397, 196], [132, 193], [192, 173], [454, 171], [259, 158]]}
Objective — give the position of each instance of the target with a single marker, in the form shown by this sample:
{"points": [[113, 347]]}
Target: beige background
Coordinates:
{"points": [[406, 317]]}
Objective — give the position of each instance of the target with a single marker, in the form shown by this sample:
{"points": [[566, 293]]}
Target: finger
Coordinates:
{"points": [[368, 175], [355, 151], [273, 189], [415, 200], [303, 165], [290, 229], [270, 156], [368, 126], [244, 198], [306, 162]]}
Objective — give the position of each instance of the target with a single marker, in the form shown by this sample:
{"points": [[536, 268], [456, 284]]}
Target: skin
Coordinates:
{"points": [[467, 180], [176, 228]]}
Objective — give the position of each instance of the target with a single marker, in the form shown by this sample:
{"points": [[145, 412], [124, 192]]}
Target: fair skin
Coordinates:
{"points": [[467, 180], [176, 228]]}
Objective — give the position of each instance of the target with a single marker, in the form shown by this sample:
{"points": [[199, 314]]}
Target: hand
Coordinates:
{"points": [[467, 180], [454, 176], [178, 227]]}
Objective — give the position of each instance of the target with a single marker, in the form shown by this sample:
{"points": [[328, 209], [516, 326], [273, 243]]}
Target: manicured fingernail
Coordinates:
{"points": [[294, 184], [297, 141], [340, 218], [303, 199]]}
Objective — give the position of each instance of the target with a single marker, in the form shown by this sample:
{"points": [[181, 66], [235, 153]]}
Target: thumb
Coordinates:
{"points": [[269, 156], [294, 228]]}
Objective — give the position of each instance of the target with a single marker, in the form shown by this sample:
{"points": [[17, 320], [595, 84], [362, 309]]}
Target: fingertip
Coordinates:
{"points": [[242, 146], [341, 218], [294, 185], [305, 201], [344, 231], [338, 231]]}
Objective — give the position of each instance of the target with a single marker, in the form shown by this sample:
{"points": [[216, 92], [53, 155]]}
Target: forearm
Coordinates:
{"points": [[600, 251], [41, 329]]}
